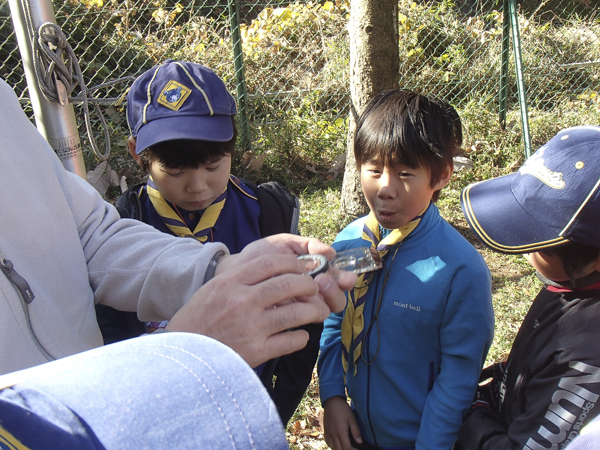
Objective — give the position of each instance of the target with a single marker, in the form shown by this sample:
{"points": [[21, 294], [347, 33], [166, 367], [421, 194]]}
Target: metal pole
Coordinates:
{"points": [[514, 21], [54, 121], [504, 65], [240, 77]]}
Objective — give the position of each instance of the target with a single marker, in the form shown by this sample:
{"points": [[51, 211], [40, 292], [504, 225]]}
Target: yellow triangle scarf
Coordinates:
{"points": [[353, 323], [8, 441], [176, 224]]}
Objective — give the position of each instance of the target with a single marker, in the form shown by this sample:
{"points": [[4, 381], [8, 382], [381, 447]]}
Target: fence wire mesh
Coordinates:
{"points": [[296, 58]]}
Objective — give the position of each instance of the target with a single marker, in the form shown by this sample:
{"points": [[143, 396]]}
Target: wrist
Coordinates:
{"points": [[225, 262], [333, 400]]}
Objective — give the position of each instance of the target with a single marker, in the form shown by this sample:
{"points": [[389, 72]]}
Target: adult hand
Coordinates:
{"points": [[284, 243], [338, 423], [250, 306], [331, 288]]}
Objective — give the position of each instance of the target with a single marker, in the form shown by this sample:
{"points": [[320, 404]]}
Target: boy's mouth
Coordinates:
{"points": [[200, 204], [386, 216]]}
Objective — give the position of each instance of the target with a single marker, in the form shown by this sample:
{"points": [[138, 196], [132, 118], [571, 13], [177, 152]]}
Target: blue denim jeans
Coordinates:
{"points": [[170, 390]]}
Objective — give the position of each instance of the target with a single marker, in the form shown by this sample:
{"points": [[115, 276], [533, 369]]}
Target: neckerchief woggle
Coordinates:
{"points": [[176, 224], [353, 323]]}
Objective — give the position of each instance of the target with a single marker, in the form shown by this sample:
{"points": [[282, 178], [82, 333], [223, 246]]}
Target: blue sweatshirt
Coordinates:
{"points": [[435, 326]]}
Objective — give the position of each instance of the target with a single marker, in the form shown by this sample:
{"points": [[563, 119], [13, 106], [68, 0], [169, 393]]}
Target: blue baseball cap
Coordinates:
{"points": [[554, 198], [179, 100]]}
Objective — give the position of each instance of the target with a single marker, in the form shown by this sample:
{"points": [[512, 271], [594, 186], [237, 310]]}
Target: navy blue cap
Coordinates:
{"points": [[179, 100], [554, 198]]}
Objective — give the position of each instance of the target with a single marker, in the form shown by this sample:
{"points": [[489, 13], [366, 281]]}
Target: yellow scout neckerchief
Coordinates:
{"points": [[353, 323], [176, 224]]}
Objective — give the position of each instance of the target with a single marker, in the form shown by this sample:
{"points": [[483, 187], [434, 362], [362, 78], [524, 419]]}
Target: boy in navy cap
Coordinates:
{"points": [[548, 389], [183, 133]]}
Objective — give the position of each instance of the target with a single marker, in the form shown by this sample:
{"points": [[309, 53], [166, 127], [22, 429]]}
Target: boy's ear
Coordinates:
{"points": [[132, 142], [445, 178]]}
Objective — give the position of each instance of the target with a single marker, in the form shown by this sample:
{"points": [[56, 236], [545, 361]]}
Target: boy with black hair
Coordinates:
{"points": [[183, 133], [409, 347], [548, 388]]}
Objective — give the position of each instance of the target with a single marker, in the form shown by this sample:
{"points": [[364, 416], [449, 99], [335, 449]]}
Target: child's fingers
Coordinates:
{"points": [[345, 442], [340, 441], [339, 424], [355, 431]]}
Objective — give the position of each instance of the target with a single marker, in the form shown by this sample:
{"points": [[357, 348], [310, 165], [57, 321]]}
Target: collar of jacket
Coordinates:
{"points": [[589, 282]]}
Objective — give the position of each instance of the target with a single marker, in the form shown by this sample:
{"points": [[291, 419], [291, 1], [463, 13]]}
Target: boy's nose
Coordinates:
{"points": [[196, 184], [385, 188], [386, 192]]}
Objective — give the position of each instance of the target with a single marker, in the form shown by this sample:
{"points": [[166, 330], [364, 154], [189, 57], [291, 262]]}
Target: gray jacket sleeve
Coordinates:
{"points": [[131, 265]]}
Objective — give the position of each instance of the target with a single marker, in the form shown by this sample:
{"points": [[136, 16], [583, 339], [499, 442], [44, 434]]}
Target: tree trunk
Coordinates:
{"points": [[374, 67]]}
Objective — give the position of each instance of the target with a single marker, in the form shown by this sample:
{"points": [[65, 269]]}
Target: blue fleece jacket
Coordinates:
{"points": [[434, 329]]}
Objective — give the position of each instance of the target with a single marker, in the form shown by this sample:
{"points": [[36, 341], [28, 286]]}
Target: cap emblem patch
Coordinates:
{"points": [[535, 166], [174, 95]]}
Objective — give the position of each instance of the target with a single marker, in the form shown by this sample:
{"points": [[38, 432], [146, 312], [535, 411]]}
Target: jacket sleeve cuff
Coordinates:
{"points": [[478, 428], [326, 391]]}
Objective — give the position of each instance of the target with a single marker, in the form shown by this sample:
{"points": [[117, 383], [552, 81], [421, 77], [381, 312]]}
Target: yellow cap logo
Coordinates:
{"points": [[173, 95]]}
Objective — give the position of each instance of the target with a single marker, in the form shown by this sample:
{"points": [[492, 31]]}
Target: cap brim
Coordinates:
{"points": [[216, 128], [501, 223]]}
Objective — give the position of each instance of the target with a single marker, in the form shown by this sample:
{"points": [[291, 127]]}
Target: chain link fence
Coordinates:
{"points": [[293, 85]]}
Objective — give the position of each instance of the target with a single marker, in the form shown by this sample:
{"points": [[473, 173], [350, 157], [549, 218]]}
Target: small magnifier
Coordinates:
{"points": [[315, 264], [358, 260]]}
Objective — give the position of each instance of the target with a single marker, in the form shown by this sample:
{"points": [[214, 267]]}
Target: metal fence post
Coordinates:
{"points": [[504, 65], [514, 22], [54, 121], [240, 78]]}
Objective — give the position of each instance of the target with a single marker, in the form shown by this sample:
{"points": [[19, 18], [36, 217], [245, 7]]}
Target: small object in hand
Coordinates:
{"points": [[358, 260], [314, 264]]}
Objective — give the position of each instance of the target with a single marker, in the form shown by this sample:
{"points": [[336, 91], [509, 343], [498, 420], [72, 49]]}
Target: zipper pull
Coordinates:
{"points": [[17, 280]]}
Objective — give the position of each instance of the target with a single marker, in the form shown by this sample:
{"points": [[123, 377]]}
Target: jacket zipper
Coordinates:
{"points": [[366, 348], [17, 280], [26, 295]]}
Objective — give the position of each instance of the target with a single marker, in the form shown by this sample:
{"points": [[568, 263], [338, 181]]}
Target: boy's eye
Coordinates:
{"points": [[372, 168], [173, 174], [404, 174], [214, 167]]}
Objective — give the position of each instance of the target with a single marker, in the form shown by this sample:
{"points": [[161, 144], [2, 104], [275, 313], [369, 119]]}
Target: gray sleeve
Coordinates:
{"points": [[131, 265]]}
